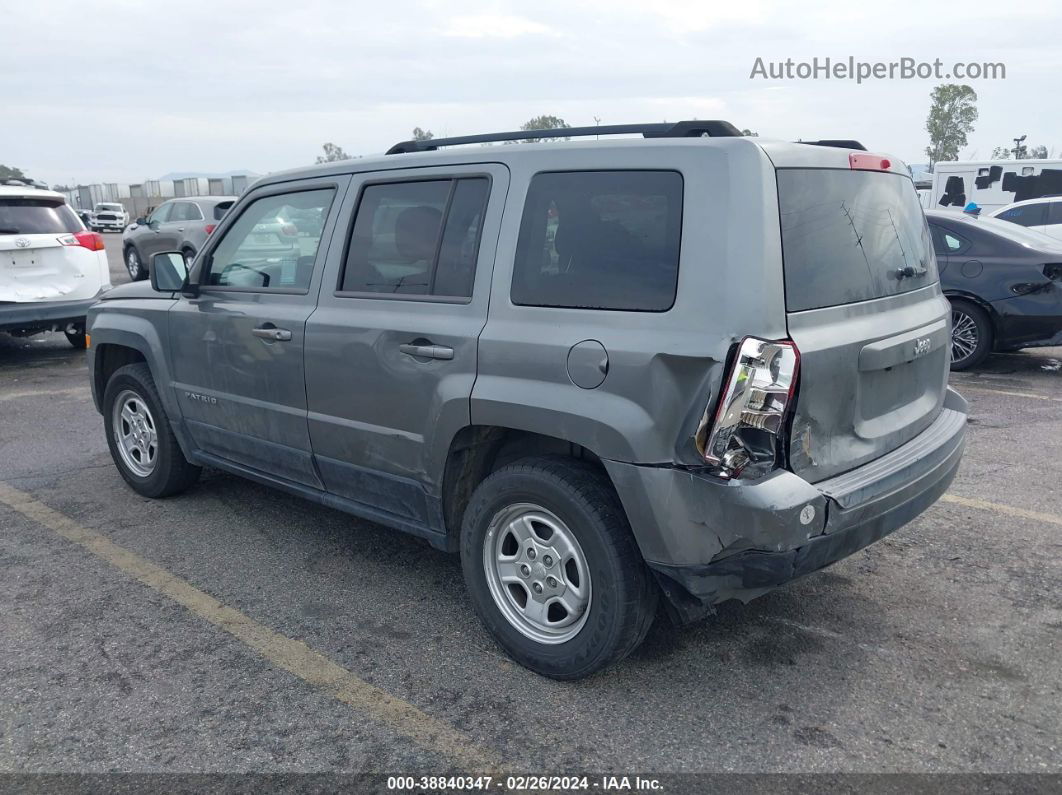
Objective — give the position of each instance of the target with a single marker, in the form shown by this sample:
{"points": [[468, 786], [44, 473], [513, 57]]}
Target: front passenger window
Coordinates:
{"points": [[273, 244]]}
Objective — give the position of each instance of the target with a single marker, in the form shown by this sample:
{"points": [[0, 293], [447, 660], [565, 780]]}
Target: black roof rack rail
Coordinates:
{"points": [[681, 129], [840, 143]]}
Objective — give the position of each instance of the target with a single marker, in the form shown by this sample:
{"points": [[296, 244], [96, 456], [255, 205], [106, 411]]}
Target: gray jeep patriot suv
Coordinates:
{"points": [[686, 367]]}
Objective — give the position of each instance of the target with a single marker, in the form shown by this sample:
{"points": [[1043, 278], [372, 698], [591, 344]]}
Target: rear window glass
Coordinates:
{"points": [[600, 240], [37, 217], [851, 236], [220, 209]]}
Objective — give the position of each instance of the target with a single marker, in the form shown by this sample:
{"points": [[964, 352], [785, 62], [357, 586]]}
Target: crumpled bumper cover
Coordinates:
{"points": [[43, 315], [764, 544]]}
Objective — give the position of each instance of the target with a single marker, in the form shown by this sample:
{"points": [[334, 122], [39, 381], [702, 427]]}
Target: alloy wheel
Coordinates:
{"points": [[964, 335], [132, 264]]}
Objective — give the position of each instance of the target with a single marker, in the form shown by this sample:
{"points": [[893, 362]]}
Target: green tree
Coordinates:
{"points": [[952, 113], [10, 172], [1037, 153], [545, 123], [1001, 153], [747, 131], [332, 153], [422, 135]]}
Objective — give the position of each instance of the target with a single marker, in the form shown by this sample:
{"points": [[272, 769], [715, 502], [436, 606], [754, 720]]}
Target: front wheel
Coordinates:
{"points": [[133, 264], [140, 437], [971, 335], [553, 569]]}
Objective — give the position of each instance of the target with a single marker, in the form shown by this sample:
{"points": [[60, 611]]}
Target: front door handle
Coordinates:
{"points": [[272, 333], [427, 351]]}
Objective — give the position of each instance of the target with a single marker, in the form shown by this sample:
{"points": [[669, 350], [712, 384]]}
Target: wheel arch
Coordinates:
{"points": [[476, 451], [990, 310], [119, 339]]}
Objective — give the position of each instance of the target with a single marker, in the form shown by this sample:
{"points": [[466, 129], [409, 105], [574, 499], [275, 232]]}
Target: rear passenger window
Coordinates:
{"points": [[1054, 213], [1026, 215], [600, 240], [417, 238], [185, 211]]}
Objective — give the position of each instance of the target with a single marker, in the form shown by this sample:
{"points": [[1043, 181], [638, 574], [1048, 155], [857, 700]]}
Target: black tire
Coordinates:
{"points": [[172, 472], [189, 257], [134, 265], [623, 594], [971, 334], [77, 337]]}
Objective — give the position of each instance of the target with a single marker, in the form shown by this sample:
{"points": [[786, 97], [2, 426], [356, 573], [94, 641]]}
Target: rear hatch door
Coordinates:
{"points": [[34, 265], [864, 306]]}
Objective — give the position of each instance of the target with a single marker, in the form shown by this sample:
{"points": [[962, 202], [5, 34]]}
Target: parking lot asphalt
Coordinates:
{"points": [[235, 628]]}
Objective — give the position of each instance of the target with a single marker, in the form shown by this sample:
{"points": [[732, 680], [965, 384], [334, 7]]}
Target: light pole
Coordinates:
{"points": [[1019, 148]]}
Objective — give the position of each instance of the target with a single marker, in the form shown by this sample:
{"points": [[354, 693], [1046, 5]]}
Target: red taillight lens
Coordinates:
{"points": [[210, 228], [742, 440], [93, 241], [864, 161]]}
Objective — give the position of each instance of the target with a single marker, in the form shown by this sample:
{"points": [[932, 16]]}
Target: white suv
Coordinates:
{"points": [[51, 268], [1042, 215]]}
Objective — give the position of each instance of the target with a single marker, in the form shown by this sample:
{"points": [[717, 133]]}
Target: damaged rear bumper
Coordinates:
{"points": [[43, 315], [710, 541]]}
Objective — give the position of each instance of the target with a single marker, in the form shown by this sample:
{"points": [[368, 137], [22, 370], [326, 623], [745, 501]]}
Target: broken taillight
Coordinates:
{"points": [[742, 439]]}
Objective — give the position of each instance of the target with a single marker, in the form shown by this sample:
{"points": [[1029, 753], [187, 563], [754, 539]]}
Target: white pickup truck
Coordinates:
{"points": [[109, 217]]}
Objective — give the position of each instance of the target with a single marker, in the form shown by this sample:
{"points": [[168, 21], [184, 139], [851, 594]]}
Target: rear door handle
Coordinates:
{"points": [[272, 333], [427, 351]]}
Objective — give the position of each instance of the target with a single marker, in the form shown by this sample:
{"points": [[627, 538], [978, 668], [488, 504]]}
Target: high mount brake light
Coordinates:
{"points": [[93, 241], [742, 440], [865, 161]]}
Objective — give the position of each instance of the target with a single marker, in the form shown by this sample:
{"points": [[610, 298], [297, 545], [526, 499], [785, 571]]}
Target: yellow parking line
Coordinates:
{"points": [[965, 388], [293, 656], [1010, 510]]}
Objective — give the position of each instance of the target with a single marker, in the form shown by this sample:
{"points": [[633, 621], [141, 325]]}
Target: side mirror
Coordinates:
{"points": [[168, 272], [141, 221]]}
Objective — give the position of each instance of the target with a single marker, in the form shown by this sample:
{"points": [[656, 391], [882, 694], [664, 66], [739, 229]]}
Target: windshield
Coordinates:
{"points": [[109, 208], [36, 217], [851, 235]]}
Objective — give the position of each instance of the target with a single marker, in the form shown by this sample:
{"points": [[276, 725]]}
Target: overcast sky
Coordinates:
{"points": [[123, 91]]}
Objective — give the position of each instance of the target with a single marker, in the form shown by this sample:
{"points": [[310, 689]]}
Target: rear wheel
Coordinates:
{"points": [[971, 334], [189, 257], [140, 438], [553, 569], [137, 271]]}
